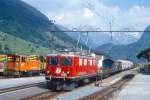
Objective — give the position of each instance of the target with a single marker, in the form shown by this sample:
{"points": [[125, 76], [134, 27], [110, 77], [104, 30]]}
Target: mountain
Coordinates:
{"points": [[127, 51], [123, 38], [101, 38], [118, 38], [27, 25], [75, 35], [12, 44]]}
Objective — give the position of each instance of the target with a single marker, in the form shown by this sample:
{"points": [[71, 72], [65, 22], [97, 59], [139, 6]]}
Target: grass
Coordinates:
{"points": [[14, 44]]}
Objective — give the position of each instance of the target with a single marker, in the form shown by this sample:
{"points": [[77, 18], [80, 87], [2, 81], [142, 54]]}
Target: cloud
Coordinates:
{"points": [[87, 13], [73, 13], [77, 13]]}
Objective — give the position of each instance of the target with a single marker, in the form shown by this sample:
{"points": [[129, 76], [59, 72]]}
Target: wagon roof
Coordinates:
{"points": [[145, 53], [70, 55]]}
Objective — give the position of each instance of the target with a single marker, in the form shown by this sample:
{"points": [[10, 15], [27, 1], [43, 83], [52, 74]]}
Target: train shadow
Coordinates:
{"points": [[142, 71], [145, 73], [43, 86], [129, 76]]}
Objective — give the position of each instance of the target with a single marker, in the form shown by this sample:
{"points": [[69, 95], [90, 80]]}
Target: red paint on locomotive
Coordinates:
{"points": [[70, 66]]}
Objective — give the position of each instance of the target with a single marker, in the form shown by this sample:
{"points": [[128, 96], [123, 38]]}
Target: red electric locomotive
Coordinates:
{"points": [[67, 71]]}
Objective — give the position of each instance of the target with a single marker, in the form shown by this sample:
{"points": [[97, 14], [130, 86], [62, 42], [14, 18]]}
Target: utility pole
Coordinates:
{"points": [[87, 38], [53, 39], [79, 37], [111, 37], [53, 42], [110, 27]]}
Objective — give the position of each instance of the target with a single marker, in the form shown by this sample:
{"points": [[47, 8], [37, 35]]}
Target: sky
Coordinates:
{"points": [[120, 14], [126, 4], [96, 14]]}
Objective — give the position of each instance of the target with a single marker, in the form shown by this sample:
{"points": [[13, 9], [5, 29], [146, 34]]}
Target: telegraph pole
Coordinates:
{"points": [[53, 39], [111, 37], [87, 38], [110, 27], [53, 42], [79, 37]]}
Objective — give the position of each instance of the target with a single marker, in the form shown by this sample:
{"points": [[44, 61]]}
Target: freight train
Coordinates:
{"points": [[65, 71], [111, 66]]}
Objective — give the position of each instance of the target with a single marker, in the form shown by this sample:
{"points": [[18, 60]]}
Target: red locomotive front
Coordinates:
{"points": [[69, 70], [59, 66]]}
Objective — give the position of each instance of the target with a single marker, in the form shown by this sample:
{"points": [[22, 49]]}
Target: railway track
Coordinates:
{"points": [[50, 95], [12, 77], [45, 96], [21, 87], [40, 92], [108, 92]]}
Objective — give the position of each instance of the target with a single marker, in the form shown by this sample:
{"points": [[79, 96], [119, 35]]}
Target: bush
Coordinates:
{"points": [[1, 47], [6, 47]]}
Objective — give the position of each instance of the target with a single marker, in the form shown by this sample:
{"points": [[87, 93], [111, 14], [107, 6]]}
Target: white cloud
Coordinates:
{"points": [[87, 13], [75, 13], [61, 17], [92, 12]]}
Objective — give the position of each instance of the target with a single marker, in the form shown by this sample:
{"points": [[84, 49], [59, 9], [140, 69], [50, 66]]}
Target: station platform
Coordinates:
{"points": [[137, 89], [14, 82], [91, 88]]}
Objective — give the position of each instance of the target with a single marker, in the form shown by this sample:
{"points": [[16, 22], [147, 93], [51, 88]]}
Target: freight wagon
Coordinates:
{"points": [[125, 64], [65, 71], [111, 66]]}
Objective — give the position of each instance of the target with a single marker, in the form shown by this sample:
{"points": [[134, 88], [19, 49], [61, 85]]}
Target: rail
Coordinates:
{"points": [[21, 87]]}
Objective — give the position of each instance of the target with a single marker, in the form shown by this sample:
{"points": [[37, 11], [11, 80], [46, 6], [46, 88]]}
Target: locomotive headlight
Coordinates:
{"points": [[48, 72], [58, 70], [67, 72]]}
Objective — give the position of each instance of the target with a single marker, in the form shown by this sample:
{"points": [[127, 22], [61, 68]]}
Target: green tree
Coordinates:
{"points": [[37, 46], [6, 47], [1, 47], [29, 45], [32, 50]]}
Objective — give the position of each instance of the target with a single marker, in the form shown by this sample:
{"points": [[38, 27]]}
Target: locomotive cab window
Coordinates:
{"points": [[90, 62], [10, 59], [85, 62], [16, 59], [80, 62], [65, 61], [23, 59], [52, 61], [13, 59], [95, 62]]}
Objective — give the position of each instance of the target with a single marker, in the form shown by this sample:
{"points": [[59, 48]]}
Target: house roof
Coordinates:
{"points": [[144, 54]]}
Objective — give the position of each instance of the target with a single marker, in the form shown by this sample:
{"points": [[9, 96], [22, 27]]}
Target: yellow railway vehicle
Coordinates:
{"points": [[3, 63], [22, 65]]}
